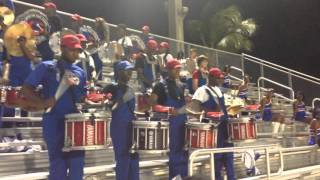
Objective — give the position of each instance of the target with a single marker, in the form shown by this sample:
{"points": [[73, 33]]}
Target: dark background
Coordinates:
{"points": [[288, 32]]}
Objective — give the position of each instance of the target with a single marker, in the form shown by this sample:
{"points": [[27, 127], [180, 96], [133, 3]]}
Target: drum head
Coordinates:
{"points": [[85, 116], [240, 120], [150, 124], [200, 125]]}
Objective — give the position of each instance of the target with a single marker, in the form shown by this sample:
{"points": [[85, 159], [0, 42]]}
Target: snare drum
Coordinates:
{"points": [[150, 136], [250, 110], [160, 113], [243, 128], [95, 94], [201, 135], [213, 116], [11, 96], [87, 131]]}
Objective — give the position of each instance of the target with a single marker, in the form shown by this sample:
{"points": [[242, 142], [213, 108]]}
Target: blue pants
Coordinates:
{"points": [[226, 160], [178, 157], [127, 164], [60, 162]]}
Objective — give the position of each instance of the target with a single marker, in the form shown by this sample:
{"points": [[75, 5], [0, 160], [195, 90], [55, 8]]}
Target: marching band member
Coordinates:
{"points": [[20, 66], [299, 108], [85, 61], [170, 93], [127, 164], [268, 115], [124, 40], [210, 98], [243, 88], [227, 78], [146, 34], [165, 56], [76, 22], [200, 76], [55, 25], [50, 74], [315, 127], [104, 34], [147, 66]]}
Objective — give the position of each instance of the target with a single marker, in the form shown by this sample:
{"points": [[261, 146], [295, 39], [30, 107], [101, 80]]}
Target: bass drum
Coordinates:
{"points": [[55, 38]]}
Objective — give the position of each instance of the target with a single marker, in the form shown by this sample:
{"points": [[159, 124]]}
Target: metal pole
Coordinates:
{"points": [[290, 82], [262, 73], [242, 65], [268, 162], [213, 174], [217, 59]]}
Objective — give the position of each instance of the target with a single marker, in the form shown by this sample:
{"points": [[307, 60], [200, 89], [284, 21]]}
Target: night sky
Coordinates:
{"points": [[288, 31]]}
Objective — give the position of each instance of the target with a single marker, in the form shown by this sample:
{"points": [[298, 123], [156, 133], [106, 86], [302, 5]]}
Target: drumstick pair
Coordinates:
{"points": [[63, 86]]}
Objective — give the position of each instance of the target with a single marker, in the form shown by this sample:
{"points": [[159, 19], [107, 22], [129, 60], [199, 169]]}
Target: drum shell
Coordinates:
{"points": [[86, 131], [12, 96], [201, 135], [242, 129], [150, 136]]}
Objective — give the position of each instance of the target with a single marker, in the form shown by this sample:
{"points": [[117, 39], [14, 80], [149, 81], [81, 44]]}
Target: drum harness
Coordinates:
{"points": [[60, 74]]}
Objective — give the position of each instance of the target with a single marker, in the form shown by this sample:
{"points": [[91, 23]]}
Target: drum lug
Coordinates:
{"points": [[159, 125], [92, 118], [133, 148]]}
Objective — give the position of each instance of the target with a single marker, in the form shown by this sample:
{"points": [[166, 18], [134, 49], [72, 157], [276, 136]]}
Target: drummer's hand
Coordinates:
{"points": [[99, 21], [72, 81]]}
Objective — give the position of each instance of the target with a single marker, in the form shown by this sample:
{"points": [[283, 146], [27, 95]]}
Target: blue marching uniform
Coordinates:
{"points": [[49, 74], [223, 159], [267, 113], [243, 93], [178, 157], [127, 164], [301, 113], [149, 70], [20, 68], [227, 81]]}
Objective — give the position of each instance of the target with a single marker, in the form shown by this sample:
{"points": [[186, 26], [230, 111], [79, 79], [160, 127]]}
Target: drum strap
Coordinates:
{"points": [[71, 88], [209, 90]]}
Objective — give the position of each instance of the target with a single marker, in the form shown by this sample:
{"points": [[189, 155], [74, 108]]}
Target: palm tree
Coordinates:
{"points": [[225, 30]]}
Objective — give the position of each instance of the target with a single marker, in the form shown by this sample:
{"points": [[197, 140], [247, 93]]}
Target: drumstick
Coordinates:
{"points": [[63, 86]]}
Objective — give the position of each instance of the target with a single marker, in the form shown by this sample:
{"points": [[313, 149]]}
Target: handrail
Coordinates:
{"points": [[236, 78], [129, 29], [214, 151], [284, 71], [276, 83], [314, 101], [278, 95], [238, 69], [282, 67]]}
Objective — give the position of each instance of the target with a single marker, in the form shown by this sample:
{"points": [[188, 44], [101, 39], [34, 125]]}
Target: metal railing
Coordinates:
{"points": [[314, 102], [212, 152], [256, 68], [238, 69], [276, 83], [268, 149]]}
